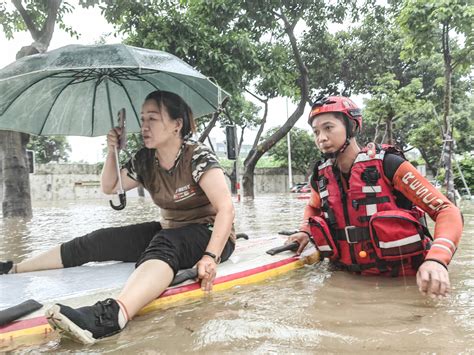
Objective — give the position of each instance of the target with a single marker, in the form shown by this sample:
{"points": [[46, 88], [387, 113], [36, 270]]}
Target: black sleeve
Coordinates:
{"points": [[391, 162]]}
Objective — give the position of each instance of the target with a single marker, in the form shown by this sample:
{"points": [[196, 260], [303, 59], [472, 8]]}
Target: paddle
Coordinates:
{"points": [[309, 255], [287, 232], [184, 275], [8, 315], [191, 274], [293, 246], [242, 236]]}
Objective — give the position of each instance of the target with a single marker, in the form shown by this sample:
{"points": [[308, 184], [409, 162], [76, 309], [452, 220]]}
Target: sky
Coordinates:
{"points": [[90, 25]]}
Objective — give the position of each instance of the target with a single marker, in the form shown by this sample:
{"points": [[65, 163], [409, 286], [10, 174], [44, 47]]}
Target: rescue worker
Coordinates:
{"points": [[366, 206]]}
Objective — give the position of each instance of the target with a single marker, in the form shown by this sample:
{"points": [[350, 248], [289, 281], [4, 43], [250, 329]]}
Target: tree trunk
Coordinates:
{"points": [[257, 152], [430, 166], [210, 126], [389, 136], [249, 165], [247, 179], [16, 198], [1, 172], [447, 124], [16, 180], [233, 178]]}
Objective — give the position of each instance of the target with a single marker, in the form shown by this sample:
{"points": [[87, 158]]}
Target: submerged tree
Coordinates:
{"points": [[303, 152], [39, 18], [444, 27]]}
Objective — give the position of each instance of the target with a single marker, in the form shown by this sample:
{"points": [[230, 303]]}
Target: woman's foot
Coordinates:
{"points": [[86, 324], [5, 267]]}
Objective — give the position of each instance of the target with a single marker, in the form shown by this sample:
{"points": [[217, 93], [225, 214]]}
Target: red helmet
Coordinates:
{"points": [[340, 104]]}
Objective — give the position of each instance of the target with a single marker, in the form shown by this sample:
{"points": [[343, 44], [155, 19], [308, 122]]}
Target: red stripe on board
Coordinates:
{"points": [[33, 322], [23, 324], [222, 279]]}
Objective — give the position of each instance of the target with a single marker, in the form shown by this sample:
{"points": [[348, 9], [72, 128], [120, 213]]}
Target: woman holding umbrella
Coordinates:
{"points": [[185, 180]]}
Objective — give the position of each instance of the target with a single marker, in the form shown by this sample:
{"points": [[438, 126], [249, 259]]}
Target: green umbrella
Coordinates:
{"points": [[76, 90]]}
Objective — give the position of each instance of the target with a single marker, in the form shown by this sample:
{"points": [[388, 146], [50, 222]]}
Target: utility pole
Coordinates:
{"points": [[288, 139]]}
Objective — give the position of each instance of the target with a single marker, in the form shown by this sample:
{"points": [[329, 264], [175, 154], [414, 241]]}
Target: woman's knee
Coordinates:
{"points": [[161, 249]]}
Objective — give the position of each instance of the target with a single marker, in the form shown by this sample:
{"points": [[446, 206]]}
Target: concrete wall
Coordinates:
{"points": [[273, 180], [82, 181], [65, 182]]}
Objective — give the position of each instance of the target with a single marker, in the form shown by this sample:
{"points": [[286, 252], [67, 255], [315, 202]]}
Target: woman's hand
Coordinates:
{"points": [[207, 269], [433, 279], [113, 138], [302, 239]]}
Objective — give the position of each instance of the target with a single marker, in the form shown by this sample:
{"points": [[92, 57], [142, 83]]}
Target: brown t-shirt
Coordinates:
{"points": [[176, 191]]}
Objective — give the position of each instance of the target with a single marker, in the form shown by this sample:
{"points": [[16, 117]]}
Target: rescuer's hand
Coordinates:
{"points": [[302, 239], [433, 279]]}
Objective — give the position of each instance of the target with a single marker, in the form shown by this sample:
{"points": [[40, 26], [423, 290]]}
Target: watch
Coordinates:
{"points": [[216, 258]]}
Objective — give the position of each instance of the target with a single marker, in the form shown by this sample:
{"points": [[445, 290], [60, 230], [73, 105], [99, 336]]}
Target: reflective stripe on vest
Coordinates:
{"points": [[398, 243]]}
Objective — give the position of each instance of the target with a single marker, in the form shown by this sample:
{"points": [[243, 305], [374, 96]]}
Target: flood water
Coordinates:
{"points": [[309, 310]]}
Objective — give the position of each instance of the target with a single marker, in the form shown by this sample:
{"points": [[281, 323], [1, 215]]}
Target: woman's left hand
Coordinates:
{"points": [[433, 279], [207, 269]]}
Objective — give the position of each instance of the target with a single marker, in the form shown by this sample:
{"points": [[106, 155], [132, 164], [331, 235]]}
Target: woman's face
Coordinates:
{"points": [[329, 132], [158, 127]]}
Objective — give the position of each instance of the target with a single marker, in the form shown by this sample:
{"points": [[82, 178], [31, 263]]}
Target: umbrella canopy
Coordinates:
{"points": [[77, 90]]}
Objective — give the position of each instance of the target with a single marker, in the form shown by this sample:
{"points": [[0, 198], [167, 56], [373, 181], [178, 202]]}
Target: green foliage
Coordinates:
{"points": [[241, 112], [49, 149], [403, 107], [463, 117], [467, 167], [303, 151], [424, 21], [12, 21]]}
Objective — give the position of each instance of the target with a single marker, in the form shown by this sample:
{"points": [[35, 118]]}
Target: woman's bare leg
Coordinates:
{"points": [[146, 283], [50, 259]]}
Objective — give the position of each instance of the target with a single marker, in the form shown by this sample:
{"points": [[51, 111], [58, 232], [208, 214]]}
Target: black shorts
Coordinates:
{"points": [[180, 248]]}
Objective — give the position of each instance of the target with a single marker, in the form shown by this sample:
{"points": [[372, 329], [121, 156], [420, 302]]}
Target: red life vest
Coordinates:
{"points": [[362, 229]]}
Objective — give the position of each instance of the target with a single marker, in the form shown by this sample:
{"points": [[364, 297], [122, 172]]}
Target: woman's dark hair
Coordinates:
{"points": [[176, 108]]}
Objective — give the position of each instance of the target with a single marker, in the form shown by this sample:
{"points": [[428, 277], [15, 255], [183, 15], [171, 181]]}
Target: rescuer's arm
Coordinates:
{"points": [[432, 276]]}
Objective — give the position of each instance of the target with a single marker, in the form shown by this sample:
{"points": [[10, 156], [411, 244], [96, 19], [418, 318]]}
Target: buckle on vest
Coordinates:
{"points": [[347, 233]]}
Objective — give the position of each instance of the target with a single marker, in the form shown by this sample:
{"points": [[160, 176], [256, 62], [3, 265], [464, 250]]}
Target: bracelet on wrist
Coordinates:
{"points": [[305, 232], [216, 258], [437, 261]]}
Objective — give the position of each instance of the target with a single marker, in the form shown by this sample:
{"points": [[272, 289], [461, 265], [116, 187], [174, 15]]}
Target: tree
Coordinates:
{"points": [[441, 26], [466, 164], [389, 113], [223, 39], [303, 151], [47, 149], [39, 18]]}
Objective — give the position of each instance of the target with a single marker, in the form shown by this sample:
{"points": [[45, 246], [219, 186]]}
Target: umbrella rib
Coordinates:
{"points": [[197, 92], [93, 105], [148, 81], [52, 105], [30, 86], [130, 99]]}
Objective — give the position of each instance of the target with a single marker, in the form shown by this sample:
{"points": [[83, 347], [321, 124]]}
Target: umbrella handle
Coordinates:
{"points": [[121, 192], [123, 202]]}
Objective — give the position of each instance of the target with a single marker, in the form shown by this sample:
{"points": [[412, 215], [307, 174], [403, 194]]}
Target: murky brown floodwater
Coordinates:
{"points": [[306, 311]]}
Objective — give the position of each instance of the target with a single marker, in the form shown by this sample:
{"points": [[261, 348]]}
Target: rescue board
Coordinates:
{"points": [[84, 285]]}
